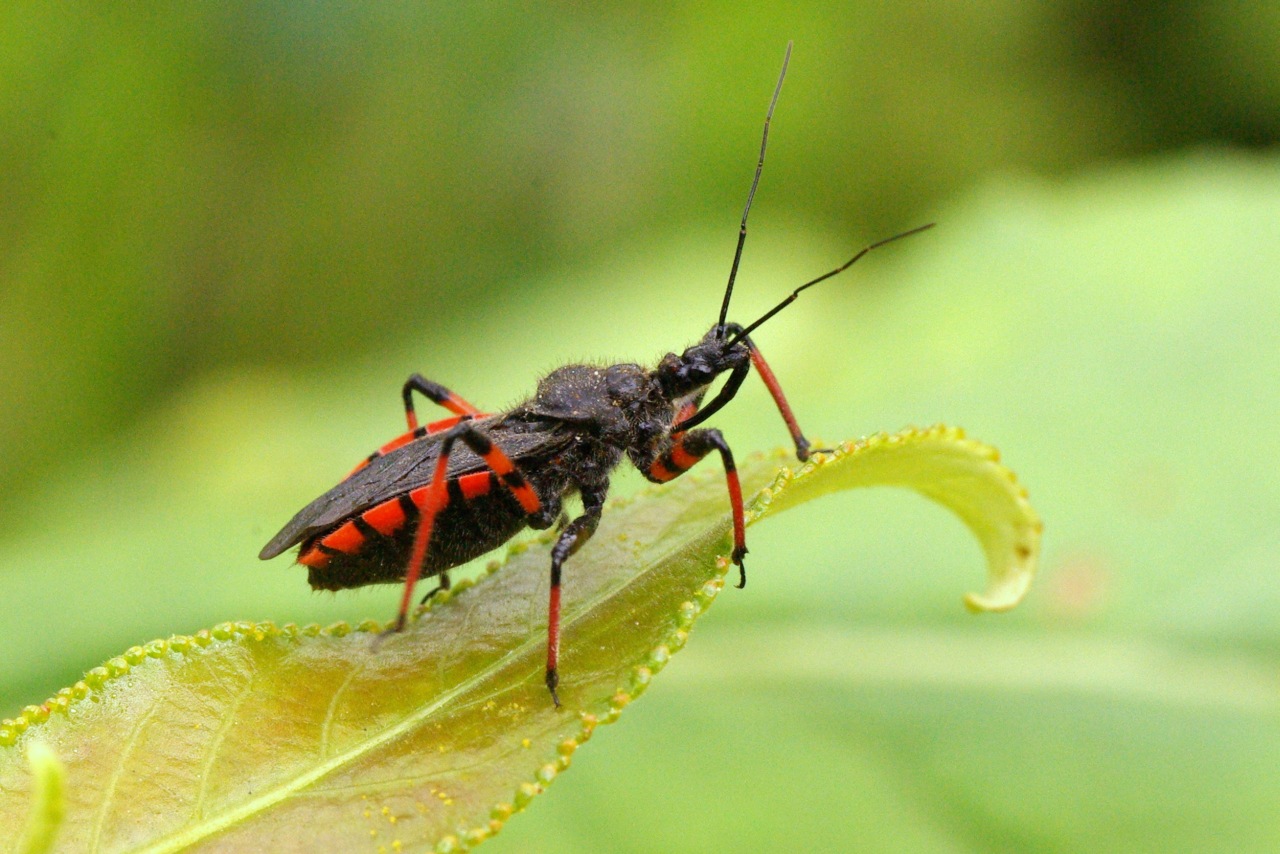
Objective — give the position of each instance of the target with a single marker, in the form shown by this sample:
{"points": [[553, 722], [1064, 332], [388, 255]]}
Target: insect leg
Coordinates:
{"points": [[730, 388], [571, 539], [434, 497], [689, 410], [413, 435], [444, 584], [686, 420], [434, 392], [686, 451], [803, 449]]}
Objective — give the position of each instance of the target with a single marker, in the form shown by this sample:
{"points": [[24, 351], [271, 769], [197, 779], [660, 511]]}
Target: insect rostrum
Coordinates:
{"points": [[446, 492]]}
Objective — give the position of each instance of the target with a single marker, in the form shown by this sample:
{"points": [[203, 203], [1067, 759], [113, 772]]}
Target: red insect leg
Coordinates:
{"points": [[436, 393], [553, 637], [775, 389], [412, 436], [686, 451], [571, 539], [434, 497], [687, 420], [430, 500]]}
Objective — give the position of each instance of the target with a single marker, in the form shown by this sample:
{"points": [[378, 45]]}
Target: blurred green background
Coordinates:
{"points": [[228, 232]]}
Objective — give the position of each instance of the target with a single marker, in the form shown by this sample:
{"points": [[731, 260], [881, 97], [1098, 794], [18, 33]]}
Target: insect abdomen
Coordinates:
{"points": [[373, 547]]}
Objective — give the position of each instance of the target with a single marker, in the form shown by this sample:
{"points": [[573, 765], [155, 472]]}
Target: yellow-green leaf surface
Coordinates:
{"points": [[256, 737], [47, 801]]}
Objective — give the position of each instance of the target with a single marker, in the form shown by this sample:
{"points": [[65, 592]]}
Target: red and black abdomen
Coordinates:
{"points": [[361, 531], [373, 546]]}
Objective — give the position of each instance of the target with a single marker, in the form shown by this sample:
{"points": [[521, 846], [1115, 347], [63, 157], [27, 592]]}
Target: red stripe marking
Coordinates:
{"points": [[499, 462], [398, 442], [528, 498], [443, 424], [453, 403], [474, 485], [502, 465], [686, 412], [386, 518], [658, 471], [346, 539], [682, 459], [429, 499], [314, 558], [456, 403]]}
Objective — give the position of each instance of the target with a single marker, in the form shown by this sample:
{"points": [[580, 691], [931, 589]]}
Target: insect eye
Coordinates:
{"points": [[699, 372]]}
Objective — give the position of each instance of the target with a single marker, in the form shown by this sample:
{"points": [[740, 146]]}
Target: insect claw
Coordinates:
{"points": [[440, 588], [388, 632], [804, 452], [553, 679], [738, 555]]}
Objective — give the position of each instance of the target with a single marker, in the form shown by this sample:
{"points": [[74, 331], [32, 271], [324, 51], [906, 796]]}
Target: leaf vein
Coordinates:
{"points": [[215, 744], [210, 827], [109, 791], [331, 711]]}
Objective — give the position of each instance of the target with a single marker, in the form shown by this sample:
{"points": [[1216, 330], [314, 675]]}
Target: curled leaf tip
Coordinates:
{"points": [[281, 737], [941, 463]]}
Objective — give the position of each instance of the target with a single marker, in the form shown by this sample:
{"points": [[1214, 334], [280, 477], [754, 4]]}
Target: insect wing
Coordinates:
{"points": [[404, 470]]}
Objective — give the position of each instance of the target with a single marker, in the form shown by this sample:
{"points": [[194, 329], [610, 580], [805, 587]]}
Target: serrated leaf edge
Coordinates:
{"points": [[756, 508], [96, 679]]}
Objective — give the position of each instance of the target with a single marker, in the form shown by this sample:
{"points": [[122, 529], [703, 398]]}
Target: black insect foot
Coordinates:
{"points": [[395, 628], [553, 679], [738, 555]]}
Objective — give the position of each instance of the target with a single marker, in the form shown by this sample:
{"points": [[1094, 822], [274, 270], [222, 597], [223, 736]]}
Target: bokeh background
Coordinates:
{"points": [[229, 231]]}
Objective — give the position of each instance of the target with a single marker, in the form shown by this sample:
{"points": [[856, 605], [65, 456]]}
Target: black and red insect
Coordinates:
{"points": [[446, 492]]}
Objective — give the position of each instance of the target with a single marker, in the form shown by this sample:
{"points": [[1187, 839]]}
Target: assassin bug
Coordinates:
{"points": [[446, 492]]}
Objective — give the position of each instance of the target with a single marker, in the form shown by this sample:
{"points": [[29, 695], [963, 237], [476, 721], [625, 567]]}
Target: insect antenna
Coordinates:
{"points": [[846, 265], [755, 182]]}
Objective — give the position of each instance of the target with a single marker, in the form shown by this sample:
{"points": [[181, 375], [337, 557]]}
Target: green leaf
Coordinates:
{"points": [[48, 805], [257, 737]]}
